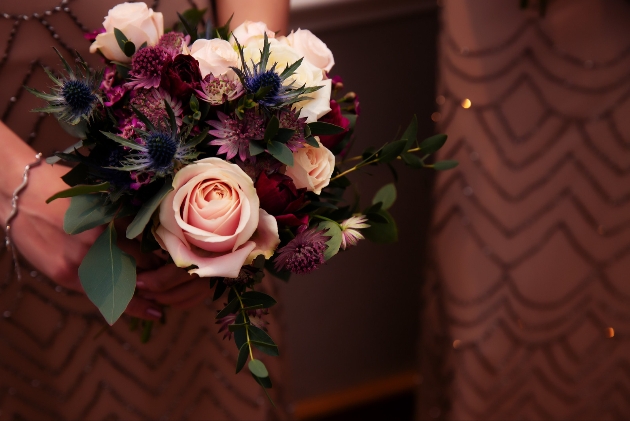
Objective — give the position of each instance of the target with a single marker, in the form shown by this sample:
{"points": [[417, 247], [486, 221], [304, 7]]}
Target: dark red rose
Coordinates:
{"points": [[334, 117], [181, 77], [280, 198]]}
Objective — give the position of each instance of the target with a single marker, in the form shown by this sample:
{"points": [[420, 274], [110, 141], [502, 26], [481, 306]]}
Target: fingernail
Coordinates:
{"points": [[140, 284], [155, 313]]}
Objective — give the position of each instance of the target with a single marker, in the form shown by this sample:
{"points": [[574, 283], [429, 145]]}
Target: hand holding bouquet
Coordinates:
{"points": [[225, 150]]}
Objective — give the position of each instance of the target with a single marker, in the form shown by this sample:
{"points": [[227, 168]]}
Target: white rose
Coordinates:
{"points": [[312, 48], [249, 31], [215, 56], [139, 24], [312, 167], [307, 75]]}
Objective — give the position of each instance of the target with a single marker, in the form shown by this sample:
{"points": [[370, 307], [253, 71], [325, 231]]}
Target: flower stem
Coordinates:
{"points": [[251, 354], [362, 164]]}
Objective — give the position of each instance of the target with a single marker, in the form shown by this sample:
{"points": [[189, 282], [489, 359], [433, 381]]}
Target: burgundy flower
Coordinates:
{"points": [[181, 77], [304, 253], [280, 198], [334, 117]]}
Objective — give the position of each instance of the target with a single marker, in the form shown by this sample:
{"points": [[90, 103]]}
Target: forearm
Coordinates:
{"points": [[275, 13]]}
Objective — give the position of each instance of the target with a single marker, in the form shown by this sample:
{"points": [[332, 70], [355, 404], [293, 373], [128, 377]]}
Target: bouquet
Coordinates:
{"points": [[228, 150]]}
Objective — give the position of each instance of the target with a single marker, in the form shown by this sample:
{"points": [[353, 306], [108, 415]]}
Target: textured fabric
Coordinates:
{"points": [[527, 306], [58, 359]]}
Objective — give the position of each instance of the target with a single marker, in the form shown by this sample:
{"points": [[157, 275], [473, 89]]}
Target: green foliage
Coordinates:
{"points": [[258, 368], [108, 276], [312, 141], [79, 190], [87, 212], [445, 165], [54, 159], [382, 232], [320, 128], [243, 353], [252, 298], [125, 45], [272, 128], [391, 151], [146, 211], [281, 152], [255, 148], [386, 196], [411, 134], [334, 232], [433, 144], [411, 160]]}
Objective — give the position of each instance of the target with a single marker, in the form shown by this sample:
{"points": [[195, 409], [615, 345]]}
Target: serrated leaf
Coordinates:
{"points": [[320, 128], [281, 152], [385, 195], [243, 353], [411, 134], [445, 165], [87, 212], [391, 151], [146, 211], [108, 276], [79, 190], [334, 243], [251, 298], [258, 368], [433, 144]]}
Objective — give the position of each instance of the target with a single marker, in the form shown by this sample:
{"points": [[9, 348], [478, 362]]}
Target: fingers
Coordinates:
{"points": [[163, 279], [183, 296], [144, 309]]}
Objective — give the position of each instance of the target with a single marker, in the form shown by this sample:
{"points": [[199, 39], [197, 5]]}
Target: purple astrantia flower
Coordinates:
{"points": [[350, 235], [151, 104], [146, 67], [290, 119], [233, 135], [217, 90], [304, 253], [174, 42], [112, 93], [255, 318]]}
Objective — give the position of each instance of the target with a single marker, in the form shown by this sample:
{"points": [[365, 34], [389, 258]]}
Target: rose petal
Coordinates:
{"points": [[266, 237]]}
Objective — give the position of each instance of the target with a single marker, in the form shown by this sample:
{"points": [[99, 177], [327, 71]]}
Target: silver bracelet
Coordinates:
{"points": [[14, 210]]}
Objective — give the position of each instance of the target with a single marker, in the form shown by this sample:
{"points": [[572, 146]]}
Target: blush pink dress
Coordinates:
{"points": [[527, 305], [53, 362]]}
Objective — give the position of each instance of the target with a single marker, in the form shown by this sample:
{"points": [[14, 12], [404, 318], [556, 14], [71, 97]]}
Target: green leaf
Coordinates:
{"points": [[78, 130], [255, 148], [385, 195], [198, 139], [271, 350], [219, 290], [87, 212], [243, 353], [376, 217], [312, 141], [79, 190], [281, 152], [121, 39], [258, 368], [284, 135], [321, 128], [412, 160], [382, 232], [272, 128], [433, 144], [334, 232], [108, 276], [123, 141], [190, 29], [228, 309], [251, 298], [445, 165], [391, 151], [411, 134], [146, 211], [54, 159], [194, 103], [129, 49], [265, 383], [76, 175]]}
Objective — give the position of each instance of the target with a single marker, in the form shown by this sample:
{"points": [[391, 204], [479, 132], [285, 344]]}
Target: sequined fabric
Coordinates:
{"points": [[528, 302], [53, 362]]}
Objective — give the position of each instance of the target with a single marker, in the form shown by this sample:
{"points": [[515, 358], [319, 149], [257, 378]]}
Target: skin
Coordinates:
{"points": [[38, 228]]}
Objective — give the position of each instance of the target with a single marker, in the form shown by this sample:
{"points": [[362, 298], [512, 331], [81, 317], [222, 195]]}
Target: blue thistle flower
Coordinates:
{"points": [[157, 152], [75, 95], [267, 85]]}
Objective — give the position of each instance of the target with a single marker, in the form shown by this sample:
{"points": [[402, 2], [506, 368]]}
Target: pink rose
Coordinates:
{"points": [[312, 167], [212, 219]]}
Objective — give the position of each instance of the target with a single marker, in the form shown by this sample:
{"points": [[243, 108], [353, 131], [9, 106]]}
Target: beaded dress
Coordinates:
{"points": [[527, 311], [53, 363]]}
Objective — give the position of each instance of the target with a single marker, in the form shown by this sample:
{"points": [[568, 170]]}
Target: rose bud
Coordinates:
{"points": [[181, 77], [334, 117], [280, 198]]}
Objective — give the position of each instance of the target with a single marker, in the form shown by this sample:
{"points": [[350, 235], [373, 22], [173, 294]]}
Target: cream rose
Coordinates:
{"points": [[312, 48], [139, 24], [212, 219], [312, 167], [307, 75], [215, 56], [249, 31]]}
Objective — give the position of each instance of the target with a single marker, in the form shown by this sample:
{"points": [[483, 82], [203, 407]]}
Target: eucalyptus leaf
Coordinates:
{"points": [[79, 190], [284, 135], [228, 309], [272, 128], [320, 128], [255, 148], [312, 141], [281, 152], [129, 49], [445, 165], [255, 297], [391, 151], [108, 276], [121, 39], [334, 243], [411, 134], [258, 368], [382, 232], [78, 130], [146, 211], [412, 160], [87, 212], [54, 159], [265, 383], [433, 144], [271, 350], [385, 195], [243, 353]]}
